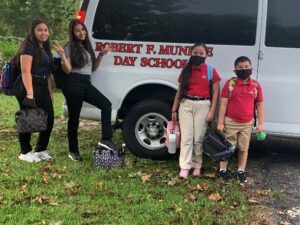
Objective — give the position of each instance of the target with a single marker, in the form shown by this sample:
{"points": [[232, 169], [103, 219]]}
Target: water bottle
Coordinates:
{"points": [[261, 135], [172, 143], [123, 148]]}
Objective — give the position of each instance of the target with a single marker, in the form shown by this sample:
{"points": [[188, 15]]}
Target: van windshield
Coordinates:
{"points": [[228, 22]]}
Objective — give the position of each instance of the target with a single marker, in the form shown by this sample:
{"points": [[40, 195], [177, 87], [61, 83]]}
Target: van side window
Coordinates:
{"points": [[283, 24], [227, 22]]}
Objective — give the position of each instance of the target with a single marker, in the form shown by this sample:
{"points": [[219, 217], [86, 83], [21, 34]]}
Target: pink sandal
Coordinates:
{"points": [[184, 173], [197, 172]]}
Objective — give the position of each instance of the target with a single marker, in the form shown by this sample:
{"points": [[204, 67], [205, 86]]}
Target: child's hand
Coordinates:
{"points": [[209, 117], [260, 127], [174, 116], [105, 50], [221, 127]]}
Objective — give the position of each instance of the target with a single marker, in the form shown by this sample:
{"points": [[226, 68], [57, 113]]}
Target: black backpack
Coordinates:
{"points": [[10, 73], [217, 147]]}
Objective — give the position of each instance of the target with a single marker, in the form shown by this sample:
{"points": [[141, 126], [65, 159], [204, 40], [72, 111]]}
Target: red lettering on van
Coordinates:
{"points": [[210, 51], [126, 61], [163, 62], [120, 47], [150, 49], [174, 50]]}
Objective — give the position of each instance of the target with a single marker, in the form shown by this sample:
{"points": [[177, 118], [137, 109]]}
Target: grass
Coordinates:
{"points": [[143, 192]]}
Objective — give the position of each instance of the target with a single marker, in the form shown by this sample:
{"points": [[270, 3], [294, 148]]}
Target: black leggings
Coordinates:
{"points": [[78, 88], [42, 100]]}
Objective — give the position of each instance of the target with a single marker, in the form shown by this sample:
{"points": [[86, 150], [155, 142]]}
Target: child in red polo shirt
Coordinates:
{"points": [[239, 97], [195, 108]]}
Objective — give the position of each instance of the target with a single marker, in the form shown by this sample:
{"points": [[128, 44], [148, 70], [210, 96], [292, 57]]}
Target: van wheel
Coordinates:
{"points": [[145, 127]]}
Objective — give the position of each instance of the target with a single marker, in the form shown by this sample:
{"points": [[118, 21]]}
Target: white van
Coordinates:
{"points": [[152, 42]]}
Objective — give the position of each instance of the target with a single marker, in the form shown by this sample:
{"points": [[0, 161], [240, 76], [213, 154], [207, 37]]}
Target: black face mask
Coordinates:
{"points": [[197, 60], [243, 74]]}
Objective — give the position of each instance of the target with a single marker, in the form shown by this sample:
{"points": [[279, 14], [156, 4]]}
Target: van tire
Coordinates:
{"points": [[144, 128]]}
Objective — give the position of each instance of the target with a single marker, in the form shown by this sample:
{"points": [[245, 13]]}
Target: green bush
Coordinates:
{"points": [[8, 47]]}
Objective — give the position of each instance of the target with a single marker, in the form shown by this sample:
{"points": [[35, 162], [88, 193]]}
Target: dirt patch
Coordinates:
{"points": [[274, 181]]}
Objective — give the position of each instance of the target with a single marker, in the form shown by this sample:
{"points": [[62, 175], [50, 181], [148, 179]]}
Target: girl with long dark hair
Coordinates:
{"points": [[79, 61], [195, 102], [33, 88]]}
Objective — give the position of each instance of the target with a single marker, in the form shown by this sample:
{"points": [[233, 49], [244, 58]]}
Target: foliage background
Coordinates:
{"points": [[16, 16]]}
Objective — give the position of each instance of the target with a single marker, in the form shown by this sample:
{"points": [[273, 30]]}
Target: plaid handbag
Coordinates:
{"points": [[108, 158], [31, 120]]}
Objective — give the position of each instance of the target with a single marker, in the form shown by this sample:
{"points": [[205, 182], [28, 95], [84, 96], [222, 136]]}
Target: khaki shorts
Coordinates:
{"points": [[238, 134]]}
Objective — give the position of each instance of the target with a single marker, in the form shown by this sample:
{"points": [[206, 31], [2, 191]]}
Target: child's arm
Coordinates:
{"points": [[222, 112], [176, 104], [214, 101], [260, 115]]}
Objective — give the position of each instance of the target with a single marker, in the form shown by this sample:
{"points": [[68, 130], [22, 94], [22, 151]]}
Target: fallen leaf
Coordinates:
{"points": [[56, 223], [281, 213], [101, 186], [42, 199], [145, 178], [177, 209], [262, 192], [23, 189], [45, 178], [132, 175], [56, 175], [71, 188], [253, 201], [189, 197], [194, 223], [214, 197], [285, 223], [201, 187], [210, 174], [45, 168]]}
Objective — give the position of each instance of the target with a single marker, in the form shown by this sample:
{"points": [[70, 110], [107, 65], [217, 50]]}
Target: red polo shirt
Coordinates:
{"points": [[241, 104], [198, 81]]}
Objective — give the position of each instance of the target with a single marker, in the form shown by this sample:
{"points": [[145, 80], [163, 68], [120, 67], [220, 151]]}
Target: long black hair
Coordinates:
{"points": [[187, 72], [37, 51], [78, 56]]}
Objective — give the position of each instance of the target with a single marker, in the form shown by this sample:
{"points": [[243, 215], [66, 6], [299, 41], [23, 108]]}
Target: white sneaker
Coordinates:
{"points": [[29, 157], [44, 155]]}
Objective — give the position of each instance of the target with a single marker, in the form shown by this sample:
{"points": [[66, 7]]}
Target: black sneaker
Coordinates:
{"points": [[224, 175], [106, 143], [241, 176], [75, 156]]}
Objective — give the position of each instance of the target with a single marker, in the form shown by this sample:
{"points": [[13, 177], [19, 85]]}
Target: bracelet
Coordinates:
{"points": [[174, 111], [29, 95]]}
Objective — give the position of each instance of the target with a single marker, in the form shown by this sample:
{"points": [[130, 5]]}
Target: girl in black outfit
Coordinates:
{"points": [[79, 61], [33, 88]]}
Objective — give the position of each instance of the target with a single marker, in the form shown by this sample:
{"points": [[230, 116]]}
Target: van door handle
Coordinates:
{"points": [[260, 54]]}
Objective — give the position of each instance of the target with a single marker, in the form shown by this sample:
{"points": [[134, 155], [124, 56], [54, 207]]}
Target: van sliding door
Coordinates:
{"points": [[279, 66]]}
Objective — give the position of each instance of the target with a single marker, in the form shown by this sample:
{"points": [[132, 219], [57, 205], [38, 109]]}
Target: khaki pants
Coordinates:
{"points": [[192, 119], [238, 134]]}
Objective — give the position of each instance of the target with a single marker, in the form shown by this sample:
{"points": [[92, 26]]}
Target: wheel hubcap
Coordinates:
{"points": [[150, 131]]}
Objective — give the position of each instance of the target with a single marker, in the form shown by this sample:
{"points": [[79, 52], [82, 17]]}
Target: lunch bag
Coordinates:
{"points": [[108, 158], [173, 136]]}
